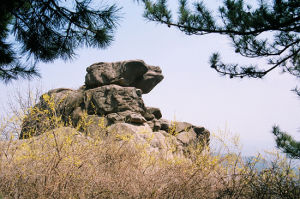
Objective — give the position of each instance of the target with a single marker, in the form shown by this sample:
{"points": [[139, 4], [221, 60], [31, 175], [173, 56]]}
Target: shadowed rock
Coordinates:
{"points": [[112, 99], [149, 80], [134, 73], [154, 111]]}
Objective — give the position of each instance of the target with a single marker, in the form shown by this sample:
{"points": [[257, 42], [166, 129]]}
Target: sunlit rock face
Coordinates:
{"points": [[112, 94]]}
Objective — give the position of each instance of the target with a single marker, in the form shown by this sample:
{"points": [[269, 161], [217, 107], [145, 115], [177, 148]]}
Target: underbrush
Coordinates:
{"points": [[63, 163], [66, 164]]}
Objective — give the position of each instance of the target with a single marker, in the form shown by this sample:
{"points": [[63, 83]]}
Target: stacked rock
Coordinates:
{"points": [[114, 91]]}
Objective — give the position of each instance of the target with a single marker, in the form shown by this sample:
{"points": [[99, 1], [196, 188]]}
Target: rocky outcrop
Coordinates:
{"points": [[112, 98], [127, 74]]}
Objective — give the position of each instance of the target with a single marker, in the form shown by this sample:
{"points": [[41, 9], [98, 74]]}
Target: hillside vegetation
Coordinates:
{"points": [[65, 162]]}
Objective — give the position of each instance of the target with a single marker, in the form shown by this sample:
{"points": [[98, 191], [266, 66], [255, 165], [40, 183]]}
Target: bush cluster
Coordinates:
{"points": [[64, 163]]}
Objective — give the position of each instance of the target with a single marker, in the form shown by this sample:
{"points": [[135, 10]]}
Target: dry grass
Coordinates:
{"points": [[64, 163]]}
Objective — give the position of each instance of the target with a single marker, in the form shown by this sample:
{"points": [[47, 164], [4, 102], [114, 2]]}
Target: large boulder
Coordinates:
{"points": [[133, 73], [112, 99]]}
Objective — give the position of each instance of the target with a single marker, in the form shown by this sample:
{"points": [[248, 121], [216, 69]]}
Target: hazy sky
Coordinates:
{"points": [[191, 90]]}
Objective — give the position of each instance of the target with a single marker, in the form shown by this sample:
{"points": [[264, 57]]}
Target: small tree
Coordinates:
{"points": [[245, 26], [44, 30]]}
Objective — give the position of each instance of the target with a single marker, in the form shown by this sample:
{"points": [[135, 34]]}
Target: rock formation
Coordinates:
{"points": [[127, 74], [113, 93]]}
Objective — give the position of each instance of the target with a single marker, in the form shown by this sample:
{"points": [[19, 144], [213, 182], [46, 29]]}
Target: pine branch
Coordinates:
{"points": [[286, 143], [46, 30]]}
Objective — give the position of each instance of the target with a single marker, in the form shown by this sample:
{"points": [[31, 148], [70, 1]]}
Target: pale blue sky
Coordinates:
{"points": [[191, 90]]}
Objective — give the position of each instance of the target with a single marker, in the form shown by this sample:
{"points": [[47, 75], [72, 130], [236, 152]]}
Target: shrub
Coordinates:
{"points": [[64, 163]]}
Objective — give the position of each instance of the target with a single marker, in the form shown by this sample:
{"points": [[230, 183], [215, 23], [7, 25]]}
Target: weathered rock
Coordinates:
{"points": [[67, 104], [112, 99], [158, 140], [150, 79], [154, 124], [165, 124], [154, 111], [191, 131], [157, 125], [125, 128], [182, 126], [115, 118], [151, 124], [187, 138], [126, 117], [121, 73], [148, 116], [65, 101], [111, 104], [143, 135], [134, 73], [135, 118]]}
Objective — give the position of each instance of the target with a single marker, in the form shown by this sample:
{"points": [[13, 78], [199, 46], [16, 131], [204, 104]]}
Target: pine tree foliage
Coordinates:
{"points": [[45, 30], [286, 143], [245, 26], [269, 30]]}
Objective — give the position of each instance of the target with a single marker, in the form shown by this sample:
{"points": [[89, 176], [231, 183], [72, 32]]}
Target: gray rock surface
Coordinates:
{"points": [[142, 135], [187, 138], [165, 124], [149, 80], [111, 104], [154, 111], [112, 99], [66, 101], [133, 73]]}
